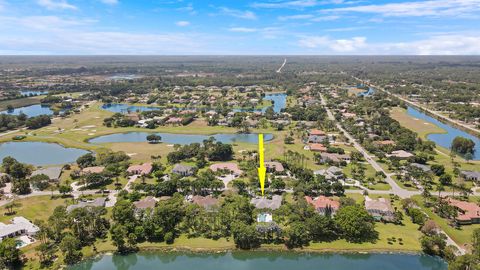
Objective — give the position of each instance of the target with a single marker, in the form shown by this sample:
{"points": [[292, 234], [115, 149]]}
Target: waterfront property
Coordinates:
{"points": [[380, 209], [324, 205], [53, 173]]}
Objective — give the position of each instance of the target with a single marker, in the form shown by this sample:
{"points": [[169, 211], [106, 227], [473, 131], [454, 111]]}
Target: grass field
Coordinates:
{"points": [[34, 208], [462, 236]]}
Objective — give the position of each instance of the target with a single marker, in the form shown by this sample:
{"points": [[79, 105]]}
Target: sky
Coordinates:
{"points": [[238, 27]]}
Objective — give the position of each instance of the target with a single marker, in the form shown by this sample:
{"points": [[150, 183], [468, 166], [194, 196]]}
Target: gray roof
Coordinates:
{"points": [[423, 167], [471, 174], [95, 203], [262, 203], [182, 168], [52, 172]]}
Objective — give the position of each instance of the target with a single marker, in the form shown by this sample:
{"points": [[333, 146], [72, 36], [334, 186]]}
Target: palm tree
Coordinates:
{"points": [[440, 188]]}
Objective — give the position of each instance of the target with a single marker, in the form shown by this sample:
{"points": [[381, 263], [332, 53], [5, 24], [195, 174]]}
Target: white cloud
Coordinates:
{"points": [[296, 17], [296, 4], [109, 2], [420, 8], [182, 23], [325, 18], [243, 29], [249, 15], [51, 23], [335, 45], [56, 4], [446, 44]]}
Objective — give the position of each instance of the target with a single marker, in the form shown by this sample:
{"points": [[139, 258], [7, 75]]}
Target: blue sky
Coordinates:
{"points": [[278, 27]]}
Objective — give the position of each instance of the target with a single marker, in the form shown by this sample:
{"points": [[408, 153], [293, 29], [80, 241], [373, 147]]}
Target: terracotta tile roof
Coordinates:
{"points": [[206, 202], [318, 147], [323, 202], [469, 210], [277, 166], [316, 132]]}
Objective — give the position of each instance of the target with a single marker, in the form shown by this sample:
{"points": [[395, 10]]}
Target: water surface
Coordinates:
{"points": [[172, 138], [262, 261], [40, 153], [445, 140], [31, 111]]}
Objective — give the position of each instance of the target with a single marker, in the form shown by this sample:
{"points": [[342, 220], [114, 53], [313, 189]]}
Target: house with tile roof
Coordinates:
{"points": [[324, 205], [469, 213], [142, 169]]}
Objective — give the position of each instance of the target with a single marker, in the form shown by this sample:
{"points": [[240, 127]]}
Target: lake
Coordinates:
{"points": [[125, 108], [172, 138], [30, 111], [263, 261], [279, 103], [27, 93], [445, 139], [40, 153], [279, 99]]}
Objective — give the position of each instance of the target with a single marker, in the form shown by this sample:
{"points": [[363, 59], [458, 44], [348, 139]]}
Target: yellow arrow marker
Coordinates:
{"points": [[261, 170]]}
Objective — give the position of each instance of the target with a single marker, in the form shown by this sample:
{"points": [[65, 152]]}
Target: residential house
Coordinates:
{"points": [[317, 147], [469, 212], [143, 169], [53, 173], [145, 203], [332, 173], [183, 170], [400, 154], [423, 167], [95, 169], [230, 167], [98, 202], [265, 203], [19, 226], [333, 157], [274, 166], [380, 209], [208, 202], [471, 175], [324, 205]]}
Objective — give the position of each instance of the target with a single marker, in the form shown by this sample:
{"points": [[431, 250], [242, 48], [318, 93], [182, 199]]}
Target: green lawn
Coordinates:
{"points": [[461, 236], [33, 208]]}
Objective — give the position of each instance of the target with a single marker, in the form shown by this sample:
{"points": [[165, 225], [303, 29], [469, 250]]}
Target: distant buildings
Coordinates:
{"points": [[324, 205], [19, 226], [380, 209]]}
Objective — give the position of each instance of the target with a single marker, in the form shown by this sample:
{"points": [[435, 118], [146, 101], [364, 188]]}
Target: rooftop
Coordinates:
{"points": [[264, 203]]}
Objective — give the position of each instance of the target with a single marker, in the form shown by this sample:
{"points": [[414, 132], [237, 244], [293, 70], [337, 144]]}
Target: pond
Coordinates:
{"points": [[262, 260], [40, 153], [367, 93], [125, 108], [445, 139], [27, 93], [279, 103], [31, 111], [172, 138]]}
